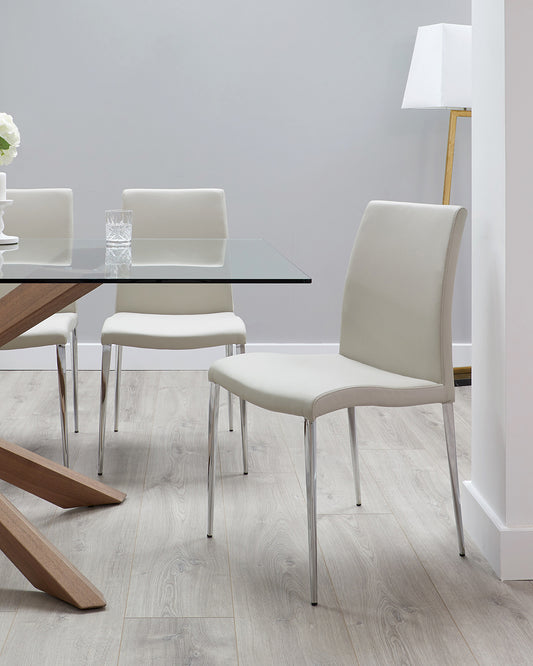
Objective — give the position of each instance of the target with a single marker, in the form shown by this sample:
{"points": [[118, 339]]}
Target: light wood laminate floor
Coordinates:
{"points": [[392, 588]]}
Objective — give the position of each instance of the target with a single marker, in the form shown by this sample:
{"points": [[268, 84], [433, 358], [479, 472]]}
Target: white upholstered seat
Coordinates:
{"points": [[171, 316], [56, 330], [311, 385], [47, 213], [395, 347], [164, 331]]}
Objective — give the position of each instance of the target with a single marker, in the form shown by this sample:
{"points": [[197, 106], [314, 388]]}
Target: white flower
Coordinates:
{"points": [[9, 139]]}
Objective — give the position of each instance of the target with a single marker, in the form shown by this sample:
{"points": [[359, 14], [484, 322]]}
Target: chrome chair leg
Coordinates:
{"points": [[229, 352], [310, 479], [214, 395], [118, 376], [74, 349], [106, 362], [61, 359], [244, 436], [241, 349], [355, 455], [449, 429]]}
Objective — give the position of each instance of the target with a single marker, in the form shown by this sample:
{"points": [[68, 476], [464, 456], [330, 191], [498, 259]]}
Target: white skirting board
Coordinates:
{"points": [[89, 354], [509, 550]]}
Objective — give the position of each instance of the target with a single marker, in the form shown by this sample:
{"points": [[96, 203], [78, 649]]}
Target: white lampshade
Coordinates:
{"points": [[440, 76]]}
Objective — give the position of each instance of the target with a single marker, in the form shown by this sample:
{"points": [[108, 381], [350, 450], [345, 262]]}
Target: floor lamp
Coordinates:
{"points": [[440, 77]]}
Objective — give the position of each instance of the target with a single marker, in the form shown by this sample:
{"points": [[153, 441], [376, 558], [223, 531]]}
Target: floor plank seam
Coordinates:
{"points": [[179, 617], [358, 513], [134, 549], [339, 606], [219, 461], [4, 644], [434, 585], [383, 497], [445, 605]]}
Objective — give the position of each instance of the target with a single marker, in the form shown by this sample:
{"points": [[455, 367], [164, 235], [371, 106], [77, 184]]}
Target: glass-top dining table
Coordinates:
{"points": [[51, 274], [146, 260]]}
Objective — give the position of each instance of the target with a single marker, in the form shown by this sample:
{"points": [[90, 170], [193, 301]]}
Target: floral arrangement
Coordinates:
{"points": [[9, 139]]}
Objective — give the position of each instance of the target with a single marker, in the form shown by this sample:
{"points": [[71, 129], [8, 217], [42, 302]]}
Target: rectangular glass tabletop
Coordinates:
{"points": [[147, 260]]}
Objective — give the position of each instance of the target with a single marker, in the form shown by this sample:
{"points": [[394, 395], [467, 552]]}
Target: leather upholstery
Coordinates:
{"points": [[310, 385], [398, 293], [55, 330], [41, 213], [174, 332], [395, 347], [175, 316]]}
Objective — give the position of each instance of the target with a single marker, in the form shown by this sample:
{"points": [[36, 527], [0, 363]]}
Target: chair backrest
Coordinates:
{"points": [[39, 213], [398, 294], [177, 213]]}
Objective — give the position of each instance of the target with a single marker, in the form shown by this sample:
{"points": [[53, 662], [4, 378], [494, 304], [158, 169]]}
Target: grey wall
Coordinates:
{"points": [[291, 106]]}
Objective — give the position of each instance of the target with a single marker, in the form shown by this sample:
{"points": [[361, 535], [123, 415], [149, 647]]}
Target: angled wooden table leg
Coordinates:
{"points": [[42, 564], [55, 483], [30, 303]]}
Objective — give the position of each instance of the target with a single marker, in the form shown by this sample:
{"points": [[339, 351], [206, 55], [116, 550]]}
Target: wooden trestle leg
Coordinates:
{"points": [[42, 564], [51, 481]]}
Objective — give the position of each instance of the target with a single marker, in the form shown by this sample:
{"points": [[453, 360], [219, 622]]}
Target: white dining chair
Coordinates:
{"points": [[171, 316], [395, 344], [47, 213]]}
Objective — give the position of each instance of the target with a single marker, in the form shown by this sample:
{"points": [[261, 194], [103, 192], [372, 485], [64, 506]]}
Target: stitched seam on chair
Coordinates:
{"points": [[431, 389], [442, 303], [449, 250]]}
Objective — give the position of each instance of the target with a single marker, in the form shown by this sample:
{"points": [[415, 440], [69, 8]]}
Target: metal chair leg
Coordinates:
{"points": [[106, 362], [118, 376], [61, 359], [310, 479], [449, 429], [214, 396], [244, 436], [241, 349], [74, 349], [355, 455], [229, 352]]}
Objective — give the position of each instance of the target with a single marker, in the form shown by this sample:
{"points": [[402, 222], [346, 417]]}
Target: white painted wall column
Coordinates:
{"points": [[498, 500]]}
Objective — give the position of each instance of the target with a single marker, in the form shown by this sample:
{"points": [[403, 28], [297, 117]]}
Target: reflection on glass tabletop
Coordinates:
{"points": [[146, 260]]}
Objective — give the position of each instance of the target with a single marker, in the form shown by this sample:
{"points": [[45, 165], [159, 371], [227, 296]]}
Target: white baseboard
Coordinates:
{"points": [[462, 354], [509, 550], [89, 354]]}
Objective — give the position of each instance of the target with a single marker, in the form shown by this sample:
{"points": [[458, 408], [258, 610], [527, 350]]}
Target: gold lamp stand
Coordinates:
{"points": [[454, 114], [463, 375]]}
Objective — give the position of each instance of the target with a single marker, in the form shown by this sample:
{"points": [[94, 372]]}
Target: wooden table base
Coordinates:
{"points": [[42, 564], [53, 482]]}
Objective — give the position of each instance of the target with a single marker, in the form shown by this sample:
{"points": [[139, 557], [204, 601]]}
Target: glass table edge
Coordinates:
{"points": [[125, 280]]}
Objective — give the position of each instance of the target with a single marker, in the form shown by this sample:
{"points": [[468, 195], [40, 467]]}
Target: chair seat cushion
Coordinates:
{"points": [[159, 331], [312, 385], [54, 330]]}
